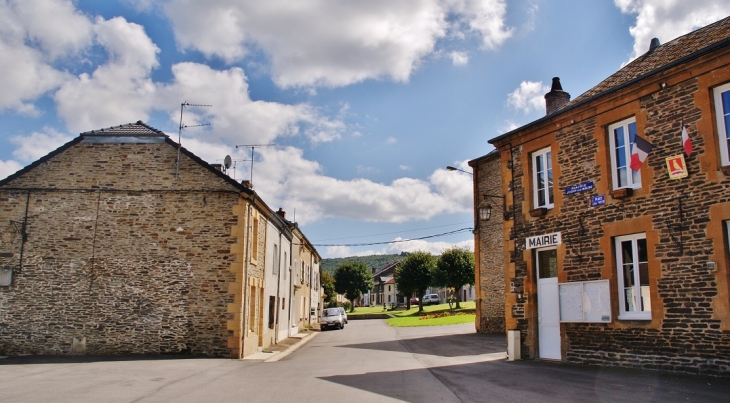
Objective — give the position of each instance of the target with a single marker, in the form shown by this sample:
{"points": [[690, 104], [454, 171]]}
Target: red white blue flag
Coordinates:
{"points": [[640, 150], [686, 142]]}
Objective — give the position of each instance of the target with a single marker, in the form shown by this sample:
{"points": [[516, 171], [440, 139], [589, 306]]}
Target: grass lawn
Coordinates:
{"points": [[360, 310], [433, 315]]}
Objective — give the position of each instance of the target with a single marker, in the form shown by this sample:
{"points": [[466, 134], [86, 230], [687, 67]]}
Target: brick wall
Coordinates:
{"points": [[119, 255], [689, 329]]}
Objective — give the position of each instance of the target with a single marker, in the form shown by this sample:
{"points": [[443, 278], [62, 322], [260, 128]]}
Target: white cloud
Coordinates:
{"points": [[285, 178], [528, 97], [314, 43], [33, 34], [8, 168], [669, 19], [405, 167], [435, 248], [459, 58], [118, 91], [38, 144], [391, 140]]}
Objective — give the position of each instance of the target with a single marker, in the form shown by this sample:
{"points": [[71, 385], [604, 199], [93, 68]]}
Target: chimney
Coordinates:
{"points": [[654, 44], [281, 213], [556, 99], [247, 183], [217, 166]]}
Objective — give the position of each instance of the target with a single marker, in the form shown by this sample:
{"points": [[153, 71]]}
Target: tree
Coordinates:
{"points": [[353, 279], [454, 269], [415, 273], [328, 284]]}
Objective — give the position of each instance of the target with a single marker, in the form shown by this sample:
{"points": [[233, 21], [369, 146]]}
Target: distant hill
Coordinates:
{"points": [[377, 261]]}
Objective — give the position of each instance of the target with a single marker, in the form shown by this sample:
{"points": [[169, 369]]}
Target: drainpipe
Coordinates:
{"points": [[245, 275]]}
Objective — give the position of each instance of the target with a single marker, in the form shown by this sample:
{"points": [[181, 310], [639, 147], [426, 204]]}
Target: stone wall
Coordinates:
{"points": [[120, 257], [492, 289], [689, 329]]}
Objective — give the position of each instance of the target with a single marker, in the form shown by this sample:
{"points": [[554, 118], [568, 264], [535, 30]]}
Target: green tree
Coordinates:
{"points": [[328, 284], [415, 273], [454, 269], [353, 279]]}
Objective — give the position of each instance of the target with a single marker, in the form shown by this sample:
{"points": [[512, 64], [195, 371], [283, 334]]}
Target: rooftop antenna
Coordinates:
{"points": [[179, 133], [228, 162], [253, 146]]}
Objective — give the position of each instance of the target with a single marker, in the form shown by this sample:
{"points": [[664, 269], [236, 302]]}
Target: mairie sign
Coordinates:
{"points": [[542, 241]]}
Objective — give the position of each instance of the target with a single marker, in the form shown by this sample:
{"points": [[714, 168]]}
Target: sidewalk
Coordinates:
{"points": [[285, 347]]}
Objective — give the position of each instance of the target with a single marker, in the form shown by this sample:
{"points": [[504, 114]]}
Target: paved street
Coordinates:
{"points": [[366, 361]]}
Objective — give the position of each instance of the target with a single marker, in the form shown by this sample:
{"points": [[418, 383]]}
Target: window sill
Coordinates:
{"points": [[622, 193], [538, 212], [634, 317], [726, 170]]}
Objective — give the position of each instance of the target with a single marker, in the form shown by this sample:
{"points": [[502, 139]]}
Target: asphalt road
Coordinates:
{"points": [[365, 362]]}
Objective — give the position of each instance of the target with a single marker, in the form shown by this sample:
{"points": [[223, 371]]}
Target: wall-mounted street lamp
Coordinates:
{"points": [[485, 208], [450, 168]]}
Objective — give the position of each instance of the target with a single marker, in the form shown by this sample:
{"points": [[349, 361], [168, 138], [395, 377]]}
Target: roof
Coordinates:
{"points": [[680, 50], [137, 132], [387, 267], [137, 129]]}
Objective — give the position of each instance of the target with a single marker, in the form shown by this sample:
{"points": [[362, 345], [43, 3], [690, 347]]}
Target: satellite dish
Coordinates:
{"points": [[227, 161]]}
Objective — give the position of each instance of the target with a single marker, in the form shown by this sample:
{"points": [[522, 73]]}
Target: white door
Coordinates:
{"points": [[548, 304]]}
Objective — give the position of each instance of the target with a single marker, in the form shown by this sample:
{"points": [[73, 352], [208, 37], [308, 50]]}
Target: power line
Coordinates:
{"points": [[394, 232], [399, 241]]}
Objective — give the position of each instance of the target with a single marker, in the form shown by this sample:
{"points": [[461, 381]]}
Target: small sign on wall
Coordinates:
{"points": [[598, 200], [677, 167], [542, 241], [579, 188]]}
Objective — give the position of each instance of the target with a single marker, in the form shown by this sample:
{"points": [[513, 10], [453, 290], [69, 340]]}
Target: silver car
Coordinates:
{"points": [[331, 317]]}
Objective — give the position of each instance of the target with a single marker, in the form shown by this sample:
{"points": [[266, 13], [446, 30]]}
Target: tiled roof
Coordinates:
{"points": [[137, 129], [662, 56]]}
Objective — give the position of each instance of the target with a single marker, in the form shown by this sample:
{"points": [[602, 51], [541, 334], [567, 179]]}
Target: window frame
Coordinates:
{"points": [[623, 313], [633, 178], [722, 129], [549, 185]]}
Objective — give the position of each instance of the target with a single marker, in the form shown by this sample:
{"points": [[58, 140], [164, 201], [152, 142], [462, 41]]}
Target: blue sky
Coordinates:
{"points": [[367, 102]]}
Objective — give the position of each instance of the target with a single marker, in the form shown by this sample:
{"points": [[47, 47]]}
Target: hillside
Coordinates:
{"points": [[377, 261]]}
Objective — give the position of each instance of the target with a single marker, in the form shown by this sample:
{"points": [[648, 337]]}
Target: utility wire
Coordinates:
{"points": [[399, 241], [394, 232]]}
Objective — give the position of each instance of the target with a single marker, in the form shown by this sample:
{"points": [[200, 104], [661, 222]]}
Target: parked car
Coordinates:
{"points": [[414, 300], [331, 317], [431, 299], [344, 313]]}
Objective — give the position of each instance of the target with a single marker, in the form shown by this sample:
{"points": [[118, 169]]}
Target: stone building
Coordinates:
{"points": [[489, 239], [613, 265], [122, 242]]}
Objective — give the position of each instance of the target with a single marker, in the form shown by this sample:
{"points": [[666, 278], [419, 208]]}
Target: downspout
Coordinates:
{"points": [[291, 251], [477, 253], [278, 285], [23, 234], [244, 330]]}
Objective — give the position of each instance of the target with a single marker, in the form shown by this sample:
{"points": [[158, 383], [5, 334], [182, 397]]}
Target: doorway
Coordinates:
{"points": [[548, 303]]}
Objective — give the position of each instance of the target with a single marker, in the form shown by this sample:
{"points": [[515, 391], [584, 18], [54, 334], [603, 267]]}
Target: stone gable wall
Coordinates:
{"points": [[120, 257]]}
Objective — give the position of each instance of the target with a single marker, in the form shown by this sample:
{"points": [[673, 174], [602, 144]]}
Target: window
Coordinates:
{"points": [[275, 259], [722, 115], [622, 136], [542, 178], [633, 277], [252, 310]]}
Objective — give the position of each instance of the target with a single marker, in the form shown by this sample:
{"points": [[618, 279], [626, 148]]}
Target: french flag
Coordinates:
{"points": [[639, 152], [685, 141]]}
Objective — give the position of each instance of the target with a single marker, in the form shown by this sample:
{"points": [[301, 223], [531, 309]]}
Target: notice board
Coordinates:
{"points": [[585, 301]]}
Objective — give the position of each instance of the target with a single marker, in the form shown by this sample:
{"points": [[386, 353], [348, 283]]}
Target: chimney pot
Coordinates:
{"points": [[247, 183], [654, 44], [556, 99], [281, 213]]}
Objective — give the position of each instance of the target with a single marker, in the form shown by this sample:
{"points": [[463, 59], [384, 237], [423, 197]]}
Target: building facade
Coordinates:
{"points": [[122, 242], [609, 260]]}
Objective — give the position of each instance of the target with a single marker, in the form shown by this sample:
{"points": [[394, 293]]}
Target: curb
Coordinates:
{"points": [[294, 347]]}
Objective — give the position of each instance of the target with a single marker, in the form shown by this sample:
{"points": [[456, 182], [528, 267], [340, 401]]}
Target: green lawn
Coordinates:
{"points": [[432, 315]]}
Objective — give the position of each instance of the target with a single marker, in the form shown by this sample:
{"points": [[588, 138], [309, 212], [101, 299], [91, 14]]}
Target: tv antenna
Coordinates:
{"points": [[228, 163], [253, 146], [179, 133]]}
